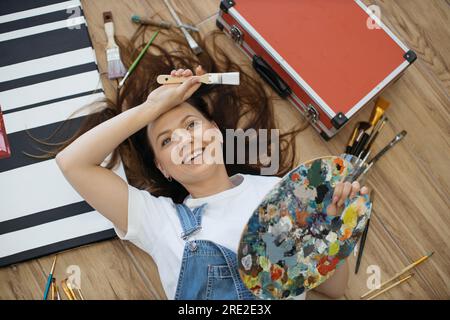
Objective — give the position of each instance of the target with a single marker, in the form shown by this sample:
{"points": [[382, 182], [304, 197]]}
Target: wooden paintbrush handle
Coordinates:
{"points": [[109, 28], [168, 79]]}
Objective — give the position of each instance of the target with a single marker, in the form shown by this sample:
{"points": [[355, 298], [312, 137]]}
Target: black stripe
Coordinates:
{"points": [[43, 44], [42, 103], [40, 19], [47, 76], [11, 6], [57, 247], [21, 142], [46, 216]]}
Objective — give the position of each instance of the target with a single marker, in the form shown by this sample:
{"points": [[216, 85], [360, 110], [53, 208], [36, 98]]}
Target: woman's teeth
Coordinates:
{"points": [[189, 159]]}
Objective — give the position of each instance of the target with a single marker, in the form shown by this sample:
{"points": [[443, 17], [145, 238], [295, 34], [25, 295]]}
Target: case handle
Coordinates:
{"points": [[271, 77]]}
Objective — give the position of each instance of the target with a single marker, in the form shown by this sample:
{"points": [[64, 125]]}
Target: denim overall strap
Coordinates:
{"points": [[231, 260], [191, 221], [208, 270]]}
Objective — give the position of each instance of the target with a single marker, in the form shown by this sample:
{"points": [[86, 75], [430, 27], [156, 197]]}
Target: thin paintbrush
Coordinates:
{"points": [[362, 243], [192, 43], [353, 142], [49, 279], [402, 272], [138, 59], [377, 157], [379, 127], [391, 144], [391, 286], [116, 69]]}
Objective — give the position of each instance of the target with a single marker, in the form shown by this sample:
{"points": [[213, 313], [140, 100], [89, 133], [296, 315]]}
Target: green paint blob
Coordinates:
{"points": [[315, 174]]}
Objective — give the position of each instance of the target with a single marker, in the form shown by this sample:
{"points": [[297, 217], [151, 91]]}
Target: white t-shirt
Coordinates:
{"points": [[153, 224]]}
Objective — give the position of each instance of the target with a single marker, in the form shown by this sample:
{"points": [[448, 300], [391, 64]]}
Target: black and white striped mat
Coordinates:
{"points": [[47, 71]]}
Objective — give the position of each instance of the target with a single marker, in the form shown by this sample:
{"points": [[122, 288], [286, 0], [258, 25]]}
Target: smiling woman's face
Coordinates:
{"points": [[179, 141]]}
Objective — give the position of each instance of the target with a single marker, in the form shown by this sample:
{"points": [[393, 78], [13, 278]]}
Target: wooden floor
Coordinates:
{"points": [[411, 211]]}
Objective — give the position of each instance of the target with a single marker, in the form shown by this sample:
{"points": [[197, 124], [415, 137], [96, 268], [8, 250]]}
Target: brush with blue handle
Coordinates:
{"points": [[49, 279]]}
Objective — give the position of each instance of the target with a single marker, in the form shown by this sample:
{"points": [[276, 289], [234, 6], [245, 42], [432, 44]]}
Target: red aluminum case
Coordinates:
{"points": [[5, 151], [329, 58]]}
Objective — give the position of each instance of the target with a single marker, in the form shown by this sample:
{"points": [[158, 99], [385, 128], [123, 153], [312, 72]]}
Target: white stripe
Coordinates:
{"points": [[46, 64], [38, 11], [67, 23], [377, 89], [49, 113], [37, 187], [52, 232], [283, 63], [49, 90]]}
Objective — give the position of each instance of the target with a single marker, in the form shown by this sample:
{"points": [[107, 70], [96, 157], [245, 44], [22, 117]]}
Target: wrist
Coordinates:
{"points": [[149, 110]]}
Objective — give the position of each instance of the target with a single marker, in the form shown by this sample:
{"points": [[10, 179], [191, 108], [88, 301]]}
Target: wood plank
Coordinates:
{"points": [[423, 26], [411, 211]]}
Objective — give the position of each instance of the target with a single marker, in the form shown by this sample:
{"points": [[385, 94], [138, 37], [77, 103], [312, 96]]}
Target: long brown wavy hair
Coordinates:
{"points": [[246, 106]]}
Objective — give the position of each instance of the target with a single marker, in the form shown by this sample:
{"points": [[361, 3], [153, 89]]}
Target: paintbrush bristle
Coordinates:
{"points": [[382, 103], [116, 69], [231, 78]]}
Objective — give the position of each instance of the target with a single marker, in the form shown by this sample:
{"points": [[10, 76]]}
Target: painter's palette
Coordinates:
{"points": [[290, 244]]}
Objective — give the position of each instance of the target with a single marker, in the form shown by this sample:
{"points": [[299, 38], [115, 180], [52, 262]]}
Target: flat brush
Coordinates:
{"points": [[381, 106], [231, 78], [116, 69]]}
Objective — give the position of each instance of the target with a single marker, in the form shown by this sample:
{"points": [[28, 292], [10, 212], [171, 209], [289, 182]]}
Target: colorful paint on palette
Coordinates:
{"points": [[290, 244]]}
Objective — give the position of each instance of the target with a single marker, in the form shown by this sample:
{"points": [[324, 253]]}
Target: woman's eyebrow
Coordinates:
{"points": [[168, 130]]}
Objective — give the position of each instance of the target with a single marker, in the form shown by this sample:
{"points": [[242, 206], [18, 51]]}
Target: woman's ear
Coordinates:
{"points": [[158, 165]]}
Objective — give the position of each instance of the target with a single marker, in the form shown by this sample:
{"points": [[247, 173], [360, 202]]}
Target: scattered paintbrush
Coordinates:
{"points": [[69, 293], [391, 286], [391, 144], [146, 21], [138, 59], [116, 69], [399, 274], [381, 105], [231, 78], [355, 139], [160, 24], [192, 43], [49, 279], [378, 128], [362, 242]]}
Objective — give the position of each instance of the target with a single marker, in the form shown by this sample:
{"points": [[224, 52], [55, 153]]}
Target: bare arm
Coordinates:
{"points": [[81, 161]]}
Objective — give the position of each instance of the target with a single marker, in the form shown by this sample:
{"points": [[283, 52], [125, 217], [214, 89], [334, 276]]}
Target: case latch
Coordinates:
{"points": [[311, 113], [236, 34]]}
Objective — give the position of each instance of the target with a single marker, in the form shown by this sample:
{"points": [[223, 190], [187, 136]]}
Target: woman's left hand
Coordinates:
{"points": [[342, 191]]}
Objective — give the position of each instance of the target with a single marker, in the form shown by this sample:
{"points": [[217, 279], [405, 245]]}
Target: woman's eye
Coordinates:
{"points": [[165, 141], [192, 124]]}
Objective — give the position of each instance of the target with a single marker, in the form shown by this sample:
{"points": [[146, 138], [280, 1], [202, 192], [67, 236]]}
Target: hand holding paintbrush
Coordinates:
{"points": [[171, 95]]}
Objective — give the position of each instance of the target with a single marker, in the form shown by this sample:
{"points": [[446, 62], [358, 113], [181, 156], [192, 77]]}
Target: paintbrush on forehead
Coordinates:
{"points": [[230, 78]]}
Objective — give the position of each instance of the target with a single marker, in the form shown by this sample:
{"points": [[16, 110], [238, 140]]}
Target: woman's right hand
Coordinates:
{"points": [[168, 96]]}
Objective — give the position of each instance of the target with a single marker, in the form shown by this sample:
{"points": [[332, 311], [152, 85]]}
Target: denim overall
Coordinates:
{"points": [[208, 271]]}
